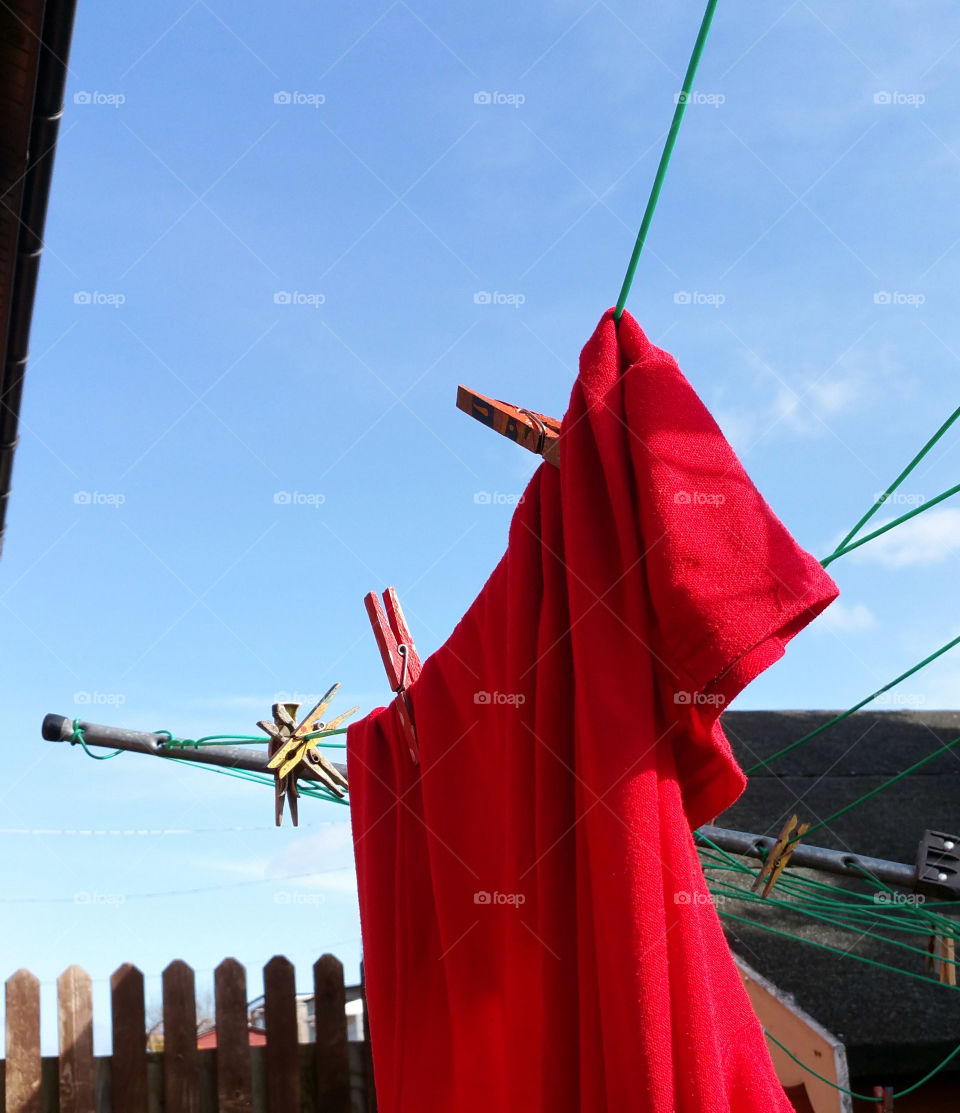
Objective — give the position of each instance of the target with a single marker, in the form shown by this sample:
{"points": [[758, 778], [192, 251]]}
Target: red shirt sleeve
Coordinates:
{"points": [[727, 584]]}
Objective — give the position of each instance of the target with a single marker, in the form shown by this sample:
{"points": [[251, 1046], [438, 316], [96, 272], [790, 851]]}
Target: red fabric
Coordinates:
{"points": [[538, 934]]}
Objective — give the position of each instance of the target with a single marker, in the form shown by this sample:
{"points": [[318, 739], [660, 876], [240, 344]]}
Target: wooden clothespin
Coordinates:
{"points": [[884, 1099], [779, 856], [534, 431], [941, 958], [288, 747], [300, 746], [400, 658], [280, 730]]}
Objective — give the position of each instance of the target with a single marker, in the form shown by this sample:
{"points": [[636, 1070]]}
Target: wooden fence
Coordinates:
{"points": [[331, 1075]]}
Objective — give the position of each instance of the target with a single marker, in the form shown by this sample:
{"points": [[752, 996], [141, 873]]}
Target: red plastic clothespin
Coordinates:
{"points": [[884, 1096], [400, 658]]}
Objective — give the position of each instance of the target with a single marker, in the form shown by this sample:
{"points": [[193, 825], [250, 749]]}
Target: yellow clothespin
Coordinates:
{"points": [[289, 756], [780, 855], [290, 745], [306, 725], [308, 745]]}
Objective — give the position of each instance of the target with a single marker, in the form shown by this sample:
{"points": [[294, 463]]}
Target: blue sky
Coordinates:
{"points": [[266, 235]]}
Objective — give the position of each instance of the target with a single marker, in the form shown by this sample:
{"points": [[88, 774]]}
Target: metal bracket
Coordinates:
{"points": [[938, 864]]}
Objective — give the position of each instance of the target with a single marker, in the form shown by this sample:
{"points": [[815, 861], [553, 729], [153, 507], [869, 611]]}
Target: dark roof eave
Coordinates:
{"points": [[51, 75]]}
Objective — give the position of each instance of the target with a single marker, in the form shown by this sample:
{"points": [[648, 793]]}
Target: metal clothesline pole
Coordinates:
{"points": [[841, 862], [59, 728]]}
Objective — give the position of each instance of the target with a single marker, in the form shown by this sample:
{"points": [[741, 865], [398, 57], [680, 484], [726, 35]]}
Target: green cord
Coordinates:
{"points": [[844, 908], [78, 738], [862, 1097], [886, 784], [844, 549], [316, 791], [246, 739], [856, 707], [841, 902], [896, 483], [836, 950], [665, 157], [893, 917], [934, 921], [847, 901], [835, 921]]}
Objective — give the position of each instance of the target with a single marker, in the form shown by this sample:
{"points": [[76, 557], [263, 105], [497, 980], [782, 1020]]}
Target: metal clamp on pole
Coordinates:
{"points": [[938, 865]]}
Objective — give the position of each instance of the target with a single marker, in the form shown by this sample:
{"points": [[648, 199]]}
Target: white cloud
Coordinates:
{"points": [[328, 850], [925, 540], [321, 862], [806, 409], [803, 409], [847, 619], [740, 427], [830, 398]]}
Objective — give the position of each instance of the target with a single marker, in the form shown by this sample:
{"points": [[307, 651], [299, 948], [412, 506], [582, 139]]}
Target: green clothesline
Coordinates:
{"points": [[863, 1097], [874, 791], [245, 739], [842, 547], [682, 100], [856, 707], [317, 791], [837, 906], [929, 979]]}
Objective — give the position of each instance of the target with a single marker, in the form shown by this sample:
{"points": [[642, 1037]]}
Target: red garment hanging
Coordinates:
{"points": [[538, 934]]}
